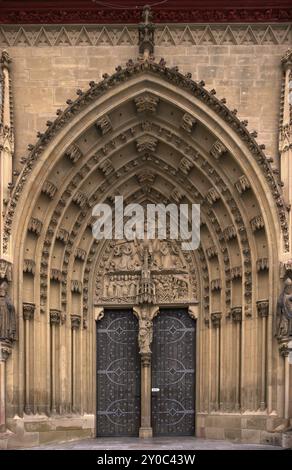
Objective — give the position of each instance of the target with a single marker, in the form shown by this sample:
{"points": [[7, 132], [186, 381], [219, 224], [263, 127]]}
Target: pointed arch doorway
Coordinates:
{"points": [[146, 354], [151, 134]]}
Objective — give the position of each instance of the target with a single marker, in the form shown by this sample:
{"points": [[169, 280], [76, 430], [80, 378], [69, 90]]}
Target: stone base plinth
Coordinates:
{"points": [[34, 430], [145, 433]]}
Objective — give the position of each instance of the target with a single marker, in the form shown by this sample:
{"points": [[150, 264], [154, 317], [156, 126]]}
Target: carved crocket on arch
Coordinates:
{"points": [[147, 133]]}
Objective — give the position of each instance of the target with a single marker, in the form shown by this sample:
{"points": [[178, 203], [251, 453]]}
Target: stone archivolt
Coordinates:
{"points": [[152, 160]]}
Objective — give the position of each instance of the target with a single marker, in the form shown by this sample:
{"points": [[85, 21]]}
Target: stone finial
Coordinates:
{"points": [[146, 33]]}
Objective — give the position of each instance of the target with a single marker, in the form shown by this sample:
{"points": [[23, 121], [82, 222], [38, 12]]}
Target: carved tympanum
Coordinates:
{"points": [[136, 272]]}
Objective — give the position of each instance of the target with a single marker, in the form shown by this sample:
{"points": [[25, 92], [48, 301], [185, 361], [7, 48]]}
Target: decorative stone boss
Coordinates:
{"points": [[7, 316]]}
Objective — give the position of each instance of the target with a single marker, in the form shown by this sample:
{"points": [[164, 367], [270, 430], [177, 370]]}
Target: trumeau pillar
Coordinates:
{"points": [[6, 139], [145, 314], [285, 136]]}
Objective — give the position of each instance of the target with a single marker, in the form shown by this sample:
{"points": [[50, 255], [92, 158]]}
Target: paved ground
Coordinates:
{"points": [[161, 443]]}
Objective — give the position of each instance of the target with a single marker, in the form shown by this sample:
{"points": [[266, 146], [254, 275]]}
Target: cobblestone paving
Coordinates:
{"points": [[166, 443]]}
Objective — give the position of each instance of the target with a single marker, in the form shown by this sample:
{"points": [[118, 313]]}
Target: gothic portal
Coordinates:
{"points": [[128, 338]]}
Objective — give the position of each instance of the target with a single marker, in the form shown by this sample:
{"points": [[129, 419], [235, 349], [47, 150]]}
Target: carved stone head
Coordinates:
{"points": [[288, 286], [3, 289]]}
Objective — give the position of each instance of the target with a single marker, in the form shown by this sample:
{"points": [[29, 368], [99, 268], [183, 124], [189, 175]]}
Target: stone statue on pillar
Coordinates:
{"points": [[145, 333], [8, 331], [284, 312]]}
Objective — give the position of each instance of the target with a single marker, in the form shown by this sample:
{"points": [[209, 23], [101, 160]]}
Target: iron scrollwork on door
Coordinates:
{"points": [[118, 374], [173, 373]]}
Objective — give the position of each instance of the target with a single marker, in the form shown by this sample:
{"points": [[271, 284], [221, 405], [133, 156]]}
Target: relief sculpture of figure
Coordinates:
{"points": [[145, 334], [284, 311], [7, 316]]}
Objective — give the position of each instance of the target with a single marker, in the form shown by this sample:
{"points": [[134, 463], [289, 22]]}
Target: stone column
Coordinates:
{"points": [[145, 314], [284, 351], [55, 318], [75, 325], [145, 429], [28, 315], [236, 315], [5, 350], [215, 363], [263, 312]]}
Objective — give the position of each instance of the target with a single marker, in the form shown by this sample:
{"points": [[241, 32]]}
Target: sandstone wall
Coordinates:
{"points": [[248, 76]]}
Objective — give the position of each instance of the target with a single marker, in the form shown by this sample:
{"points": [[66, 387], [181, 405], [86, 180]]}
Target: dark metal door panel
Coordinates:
{"points": [[173, 373], [118, 374]]}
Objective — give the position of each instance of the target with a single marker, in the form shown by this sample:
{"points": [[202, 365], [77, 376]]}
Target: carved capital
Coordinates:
{"points": [[146, 359], [236, 314], [263, 308], [5, 351], [75, 321], [216, 319], [55, 316], [28, 310], [5, 270], [284, 349]]}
